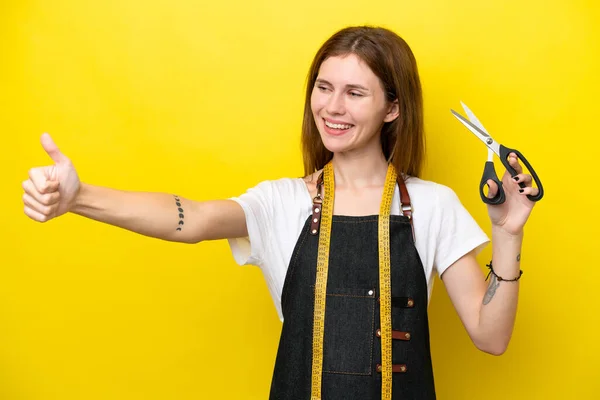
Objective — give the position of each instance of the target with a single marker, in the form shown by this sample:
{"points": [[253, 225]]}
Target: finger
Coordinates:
{"points": [[46, 199], [524, 178], [493, 189], [41, 182], [52, 149], [29, 187], [514, 162], [34, 215], [529, 191], [38, 207]]}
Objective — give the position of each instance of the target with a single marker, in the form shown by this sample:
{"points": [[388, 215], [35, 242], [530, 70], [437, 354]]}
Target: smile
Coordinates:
{"points": [[337, 126]]}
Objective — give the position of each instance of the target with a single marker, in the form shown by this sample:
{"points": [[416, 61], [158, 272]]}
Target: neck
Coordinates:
{"points": [[356, 170]]}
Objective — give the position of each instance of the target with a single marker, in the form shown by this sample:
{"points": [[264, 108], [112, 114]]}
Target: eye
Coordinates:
{"points": [[322, 88], [356, 94]]}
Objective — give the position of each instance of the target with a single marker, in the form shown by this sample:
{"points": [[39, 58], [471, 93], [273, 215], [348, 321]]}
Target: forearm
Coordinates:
{"points": [[499, 306], [157, 215]]}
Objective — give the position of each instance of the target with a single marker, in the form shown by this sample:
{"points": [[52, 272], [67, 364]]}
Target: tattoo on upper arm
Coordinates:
{"points": [[180, 209], [491, 291]]}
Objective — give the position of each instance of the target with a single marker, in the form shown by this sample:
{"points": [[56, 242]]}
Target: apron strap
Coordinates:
{"points": [[405, 204], [316, 209]]}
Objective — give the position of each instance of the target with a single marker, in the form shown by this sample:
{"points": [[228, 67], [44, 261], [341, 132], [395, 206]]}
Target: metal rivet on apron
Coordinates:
{"points": [[407, 335], [410, 302], [315, 220], [378, 368], [403, 368], [378, 333], [314, 231], [317, 210], [370, 293]]}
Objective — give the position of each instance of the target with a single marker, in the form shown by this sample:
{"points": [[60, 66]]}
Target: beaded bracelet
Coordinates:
{"points": [[499, 277]]}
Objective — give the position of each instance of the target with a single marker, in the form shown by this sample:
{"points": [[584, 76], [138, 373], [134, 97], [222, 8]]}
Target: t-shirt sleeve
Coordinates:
{"points": [[258, 208], [457, 231]]}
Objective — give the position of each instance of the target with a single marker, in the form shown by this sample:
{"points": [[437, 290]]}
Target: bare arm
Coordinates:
{"points": [[54, 190], [161, 215], [487, 310]]}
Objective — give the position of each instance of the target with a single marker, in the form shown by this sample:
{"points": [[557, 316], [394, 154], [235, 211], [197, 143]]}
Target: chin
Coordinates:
{"points": [[335, 145]]}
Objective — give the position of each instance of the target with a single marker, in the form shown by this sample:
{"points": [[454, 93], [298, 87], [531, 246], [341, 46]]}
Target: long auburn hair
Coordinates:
{"points": [[392, 60]]}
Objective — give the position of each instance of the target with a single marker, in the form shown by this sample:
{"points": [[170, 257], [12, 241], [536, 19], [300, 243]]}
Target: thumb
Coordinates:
{"points": [[493, 189], [52, 150]]}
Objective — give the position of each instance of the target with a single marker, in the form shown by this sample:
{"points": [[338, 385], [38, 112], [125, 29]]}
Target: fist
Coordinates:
{"points": [[50, 191]]}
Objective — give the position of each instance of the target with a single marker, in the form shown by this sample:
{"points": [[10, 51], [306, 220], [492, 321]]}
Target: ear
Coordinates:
{"points": [[393, 111]]}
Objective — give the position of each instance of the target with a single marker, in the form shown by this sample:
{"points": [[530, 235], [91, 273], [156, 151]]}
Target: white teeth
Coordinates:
{"points": [[337, 126]]}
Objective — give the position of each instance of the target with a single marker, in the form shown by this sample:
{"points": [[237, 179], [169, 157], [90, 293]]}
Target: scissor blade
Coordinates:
{"points": [[476, 122], [483, 136], [473, 118]]}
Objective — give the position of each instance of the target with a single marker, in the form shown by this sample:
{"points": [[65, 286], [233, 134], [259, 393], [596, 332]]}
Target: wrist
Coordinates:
{"points": [[502, 278], [506, 252], [79, 201], [498, 232]]}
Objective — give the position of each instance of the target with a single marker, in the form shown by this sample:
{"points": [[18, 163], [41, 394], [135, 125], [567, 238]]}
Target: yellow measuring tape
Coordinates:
{"points": [[384, 282], [321, 283]]}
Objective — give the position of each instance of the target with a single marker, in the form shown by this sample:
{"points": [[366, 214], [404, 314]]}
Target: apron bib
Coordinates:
{"points": [[354, 303]]}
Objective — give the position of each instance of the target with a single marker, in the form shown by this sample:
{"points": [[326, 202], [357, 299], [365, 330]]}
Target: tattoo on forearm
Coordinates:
{"points": [[180, 209], [491, 291], [519, 257]]}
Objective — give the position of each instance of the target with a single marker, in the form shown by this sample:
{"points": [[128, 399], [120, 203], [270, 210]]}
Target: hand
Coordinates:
{"points": [[50, 191], [512, 215]]}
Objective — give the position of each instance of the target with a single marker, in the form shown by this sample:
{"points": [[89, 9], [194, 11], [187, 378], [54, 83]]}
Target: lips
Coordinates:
{"points": [[336, 128]]}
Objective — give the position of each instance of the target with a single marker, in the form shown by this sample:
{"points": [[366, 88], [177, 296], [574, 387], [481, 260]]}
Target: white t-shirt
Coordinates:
{"points": [[276, 211]]}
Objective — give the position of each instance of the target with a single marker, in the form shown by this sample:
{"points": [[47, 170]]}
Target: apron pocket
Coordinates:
{"points": [[348, 335]]}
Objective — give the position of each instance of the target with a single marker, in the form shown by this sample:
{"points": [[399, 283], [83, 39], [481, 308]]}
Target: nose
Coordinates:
{"points": [[335, 105]]}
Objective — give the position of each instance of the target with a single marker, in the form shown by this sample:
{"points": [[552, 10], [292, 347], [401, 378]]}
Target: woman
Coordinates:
{"points": [[348, 252]]}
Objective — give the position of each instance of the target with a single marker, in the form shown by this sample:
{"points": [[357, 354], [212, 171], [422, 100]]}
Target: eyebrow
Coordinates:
{"points": [[349, 86]]}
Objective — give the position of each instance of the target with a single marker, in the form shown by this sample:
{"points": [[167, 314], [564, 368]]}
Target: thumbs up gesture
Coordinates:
{"points": [[50, 191]]}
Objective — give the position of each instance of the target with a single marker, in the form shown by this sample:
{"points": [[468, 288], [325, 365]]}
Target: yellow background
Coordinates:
{"points": [[204, 99]]}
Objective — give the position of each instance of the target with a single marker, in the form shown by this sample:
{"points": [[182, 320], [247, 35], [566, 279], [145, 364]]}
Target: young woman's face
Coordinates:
{"points": [[349, 105]]}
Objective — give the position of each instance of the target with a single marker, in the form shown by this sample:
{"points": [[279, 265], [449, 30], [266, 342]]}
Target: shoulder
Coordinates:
{"points": [[427, 186], [426, 193], [278, 192], [287, 186], [277, 185]]}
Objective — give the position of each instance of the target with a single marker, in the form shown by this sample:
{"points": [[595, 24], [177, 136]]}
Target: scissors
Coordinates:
{"points": [[489, 172]]}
